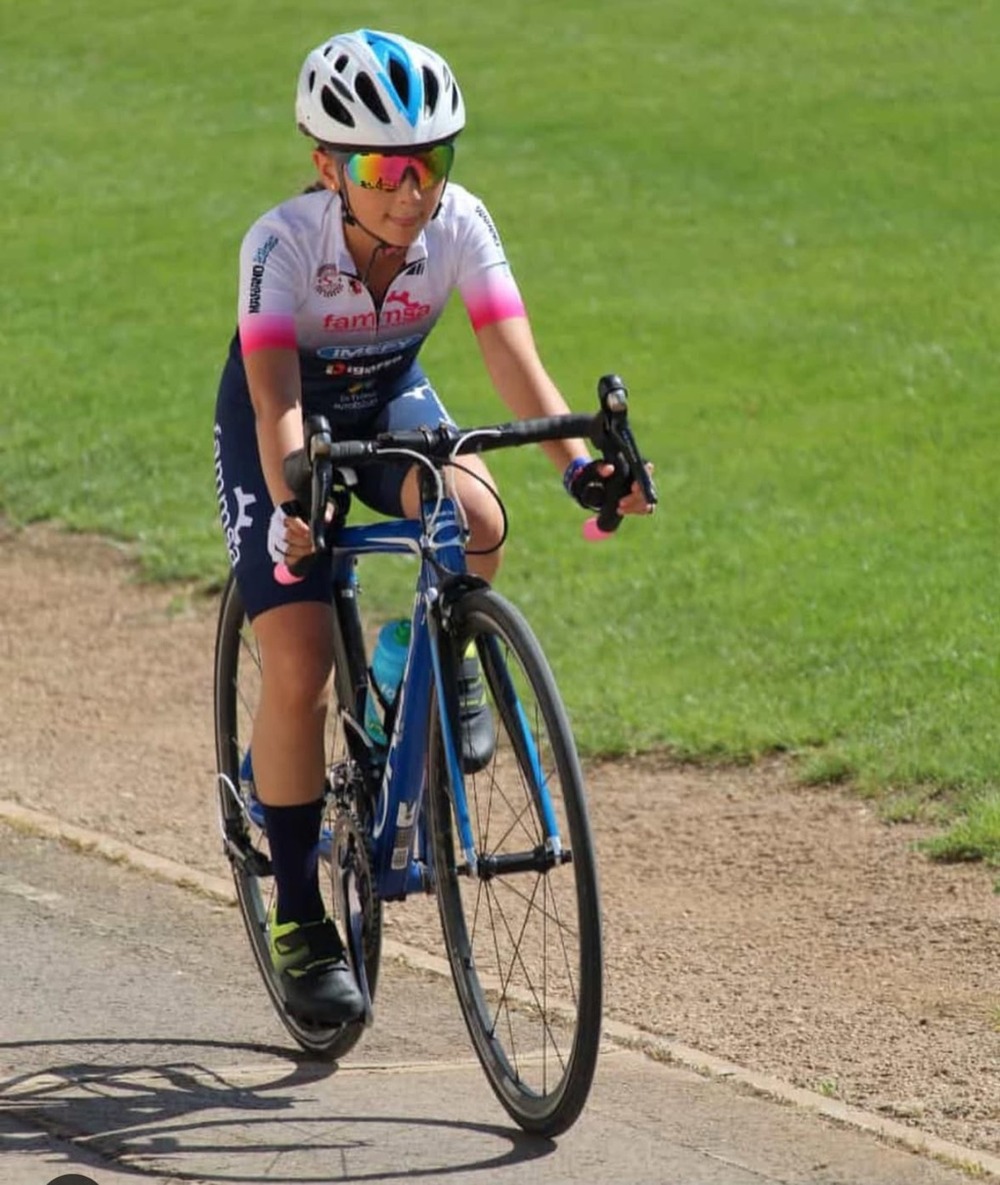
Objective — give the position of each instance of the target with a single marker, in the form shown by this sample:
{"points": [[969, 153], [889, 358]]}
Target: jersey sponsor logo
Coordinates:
{"points": [[256, 279], [364, 369], [374, 350], [488, 222], [351, 322], [265, 249], [331, 281], [328, 281], [411, 310], [257, 271], [399, 309]]}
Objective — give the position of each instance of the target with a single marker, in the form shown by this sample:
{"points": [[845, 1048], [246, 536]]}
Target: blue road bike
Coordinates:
{"points": [[503, 840]]}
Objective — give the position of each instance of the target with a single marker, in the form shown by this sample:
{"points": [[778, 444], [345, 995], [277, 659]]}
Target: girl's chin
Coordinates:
{"points": [[402, 234]]}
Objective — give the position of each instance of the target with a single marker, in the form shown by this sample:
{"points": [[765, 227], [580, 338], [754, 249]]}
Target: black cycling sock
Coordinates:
{"points": [[293, 833]]}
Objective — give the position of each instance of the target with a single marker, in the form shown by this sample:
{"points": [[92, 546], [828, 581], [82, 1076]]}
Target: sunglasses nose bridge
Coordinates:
{"points": [[414, 174]]}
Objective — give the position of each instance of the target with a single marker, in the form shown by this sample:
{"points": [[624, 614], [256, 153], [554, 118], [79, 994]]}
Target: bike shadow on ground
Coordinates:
{"points": [[158, 1107]]}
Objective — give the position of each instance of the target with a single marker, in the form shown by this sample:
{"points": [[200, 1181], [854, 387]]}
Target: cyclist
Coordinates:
{"points": [[339, 287]]}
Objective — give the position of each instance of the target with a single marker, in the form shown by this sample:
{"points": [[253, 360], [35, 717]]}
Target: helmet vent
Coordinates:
{"points": [[340, 65], [399, 76], [430, 91], [312, 80], [370, 97], [335, 108], [343, 89]]}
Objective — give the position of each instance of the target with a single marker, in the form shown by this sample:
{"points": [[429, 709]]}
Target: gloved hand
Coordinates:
{"points": [[298, 474], [587, 481]]}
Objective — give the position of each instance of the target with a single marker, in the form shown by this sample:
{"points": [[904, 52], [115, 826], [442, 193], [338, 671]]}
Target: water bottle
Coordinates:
{"points": [[388, 662]]}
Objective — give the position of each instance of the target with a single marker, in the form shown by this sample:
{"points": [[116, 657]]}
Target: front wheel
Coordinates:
{"points": [[515, 874]]}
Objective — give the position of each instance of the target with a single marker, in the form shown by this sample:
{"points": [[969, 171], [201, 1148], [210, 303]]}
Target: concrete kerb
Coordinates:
{"points": [[629, 1036]]}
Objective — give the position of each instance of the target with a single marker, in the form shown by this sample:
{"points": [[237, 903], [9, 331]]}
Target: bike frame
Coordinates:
{"points": [[402, 862]]}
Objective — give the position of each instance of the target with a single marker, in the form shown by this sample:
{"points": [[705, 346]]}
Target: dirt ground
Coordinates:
{"points": [[785, 929]]}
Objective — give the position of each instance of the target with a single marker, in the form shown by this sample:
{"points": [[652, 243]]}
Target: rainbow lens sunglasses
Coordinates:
{"points": [[385, 171]]}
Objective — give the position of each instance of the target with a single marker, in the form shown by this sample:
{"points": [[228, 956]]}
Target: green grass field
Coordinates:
{"points": [[777, 221]]}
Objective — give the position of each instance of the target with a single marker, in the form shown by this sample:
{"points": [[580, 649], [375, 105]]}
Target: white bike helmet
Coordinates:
{"points": [[377, 91]]}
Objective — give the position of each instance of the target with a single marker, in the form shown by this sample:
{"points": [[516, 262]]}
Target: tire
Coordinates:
{"points": [[237, 691], [524, 945]]}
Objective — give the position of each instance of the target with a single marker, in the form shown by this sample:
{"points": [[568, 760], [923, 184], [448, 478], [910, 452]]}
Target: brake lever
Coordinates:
{"points": [[310, 468], [318, 442], [617, 444]]}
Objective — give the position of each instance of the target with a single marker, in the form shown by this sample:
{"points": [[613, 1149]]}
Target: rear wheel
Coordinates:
{"points": [[520, 911], [237, 692]]}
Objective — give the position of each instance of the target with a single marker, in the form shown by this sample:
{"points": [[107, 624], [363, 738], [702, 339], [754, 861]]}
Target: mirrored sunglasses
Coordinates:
{"points": [[382, 170]]}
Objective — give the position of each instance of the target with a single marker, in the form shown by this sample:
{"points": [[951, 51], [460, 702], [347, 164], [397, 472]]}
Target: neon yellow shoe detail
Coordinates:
{"points": [[318, 982]]}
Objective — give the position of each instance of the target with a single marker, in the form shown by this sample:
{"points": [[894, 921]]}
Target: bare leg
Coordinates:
{"points": [[296, 643]]}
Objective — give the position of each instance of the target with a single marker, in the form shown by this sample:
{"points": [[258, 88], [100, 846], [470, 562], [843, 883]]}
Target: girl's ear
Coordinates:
{"points": [[326, 167]]}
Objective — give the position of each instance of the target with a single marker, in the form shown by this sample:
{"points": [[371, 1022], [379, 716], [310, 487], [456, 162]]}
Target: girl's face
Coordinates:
{"points": [[395, 215]]}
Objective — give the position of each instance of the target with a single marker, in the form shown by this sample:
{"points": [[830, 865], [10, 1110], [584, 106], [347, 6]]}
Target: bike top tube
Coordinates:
{"points": [[439, 541]]}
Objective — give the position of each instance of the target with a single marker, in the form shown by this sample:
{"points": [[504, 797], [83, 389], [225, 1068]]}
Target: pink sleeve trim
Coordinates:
{"points": [[267, 331], [492, 296], [495, 309]]}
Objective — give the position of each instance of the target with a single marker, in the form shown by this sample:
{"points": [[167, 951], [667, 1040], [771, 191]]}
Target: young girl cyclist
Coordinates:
{"points": [[339, 288]]}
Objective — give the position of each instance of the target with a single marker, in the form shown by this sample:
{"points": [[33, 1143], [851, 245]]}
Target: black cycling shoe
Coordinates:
{"points": [[475, 718], [319, 984]]}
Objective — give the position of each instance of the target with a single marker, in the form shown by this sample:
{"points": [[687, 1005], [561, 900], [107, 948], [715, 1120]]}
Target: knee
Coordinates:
{"points": [[476, 491], [486, 524], [297, 663], [486, 532], [301, 687]]}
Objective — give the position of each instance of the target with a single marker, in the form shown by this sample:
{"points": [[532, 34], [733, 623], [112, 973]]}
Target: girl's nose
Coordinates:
{"points": [[409, 186]]}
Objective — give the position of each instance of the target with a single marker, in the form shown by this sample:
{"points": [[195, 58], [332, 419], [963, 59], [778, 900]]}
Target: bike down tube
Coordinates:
{"points": [[397, 810], [397, 814]]}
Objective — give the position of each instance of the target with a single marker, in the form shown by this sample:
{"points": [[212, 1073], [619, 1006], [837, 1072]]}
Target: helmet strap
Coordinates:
{"points": [[440, 200], [351, 219]]}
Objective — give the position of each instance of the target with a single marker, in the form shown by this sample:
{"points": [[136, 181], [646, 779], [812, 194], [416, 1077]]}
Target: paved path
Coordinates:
{"points": [[137, 1045]]}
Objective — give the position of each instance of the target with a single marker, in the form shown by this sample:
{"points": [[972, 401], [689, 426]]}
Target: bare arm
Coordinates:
{"points": [[276, 393], [517, 373]]}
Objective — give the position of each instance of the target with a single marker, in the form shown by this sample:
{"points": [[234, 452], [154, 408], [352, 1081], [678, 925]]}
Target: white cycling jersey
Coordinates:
{"points": [[299, 289]]}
